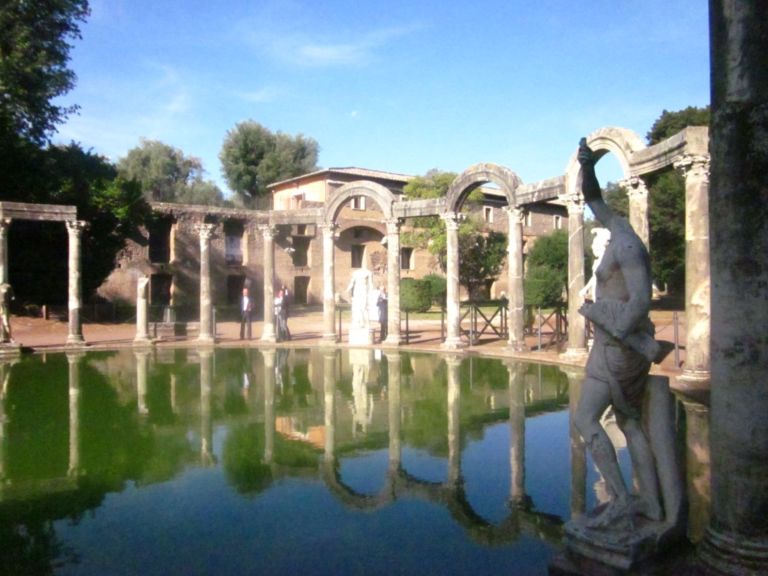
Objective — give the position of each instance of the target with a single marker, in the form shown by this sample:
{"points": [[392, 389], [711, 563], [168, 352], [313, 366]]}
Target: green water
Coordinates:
{"points": [[285, 462]]}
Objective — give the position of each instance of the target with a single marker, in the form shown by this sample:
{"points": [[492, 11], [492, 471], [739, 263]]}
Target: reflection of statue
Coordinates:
{"points": [[360, 288], [362, 404], [617, 377], [6, 295]]}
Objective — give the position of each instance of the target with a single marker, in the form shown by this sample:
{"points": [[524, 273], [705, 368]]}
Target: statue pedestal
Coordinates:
{"points": [[360, 336], [9, 349], [623, 548]]}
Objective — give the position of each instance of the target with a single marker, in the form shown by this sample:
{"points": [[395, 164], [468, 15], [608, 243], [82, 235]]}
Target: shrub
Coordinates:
{"points": [[415, 295]]}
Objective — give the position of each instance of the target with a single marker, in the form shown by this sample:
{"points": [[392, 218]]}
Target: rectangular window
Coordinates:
{"points": [[357, 252], [488, 214], [528, 219], [557, 222], [406, 258], [160, 240], [300, 251], [160, 289], [358, 203]]}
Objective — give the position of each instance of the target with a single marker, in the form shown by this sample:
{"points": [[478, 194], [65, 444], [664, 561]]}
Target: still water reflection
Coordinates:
{"points": [[286, 462]]}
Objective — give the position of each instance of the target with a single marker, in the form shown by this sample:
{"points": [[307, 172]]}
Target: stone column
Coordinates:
{"points": [[393, 282], [515, 283], [329, 288], [73, 361], [206, 305], [268, 330], [454, 420], [697, 468], [695, 169], [75, 332], [637, 193], [5, 374], [453, 303], [737, 539], [577, 338], [142, 315], [5, 223]]}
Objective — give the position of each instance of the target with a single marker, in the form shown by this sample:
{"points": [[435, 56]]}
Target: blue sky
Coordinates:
{"points": [[396, 85]]}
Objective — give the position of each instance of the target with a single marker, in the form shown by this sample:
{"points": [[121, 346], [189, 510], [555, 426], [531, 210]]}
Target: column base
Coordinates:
{"points": [[329, 339], [75, 341], [9, 349], [206, 340], [143, 342], [516, 346], [694, 380], [392, 340], [733, 554], [575, 354], [453, 344], [268, 335]]}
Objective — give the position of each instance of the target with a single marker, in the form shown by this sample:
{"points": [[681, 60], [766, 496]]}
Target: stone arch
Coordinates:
{"points": [[622, 142], [376, 192], [477, 175]]}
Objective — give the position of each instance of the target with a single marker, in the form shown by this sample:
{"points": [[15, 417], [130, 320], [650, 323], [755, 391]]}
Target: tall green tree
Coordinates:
{"points": [[35, 40], [253, 157], [482, 251], [667, 203], [546, 277], [165, 174]]}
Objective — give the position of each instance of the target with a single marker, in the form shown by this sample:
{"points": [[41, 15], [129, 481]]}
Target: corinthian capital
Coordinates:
{"points": [[693, 165]]}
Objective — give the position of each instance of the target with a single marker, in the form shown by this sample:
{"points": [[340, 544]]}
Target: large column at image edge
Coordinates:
{"points": [[577, 339], [736, 541]]}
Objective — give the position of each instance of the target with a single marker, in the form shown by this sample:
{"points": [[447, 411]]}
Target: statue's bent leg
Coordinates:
{"points": [[643, 466]]}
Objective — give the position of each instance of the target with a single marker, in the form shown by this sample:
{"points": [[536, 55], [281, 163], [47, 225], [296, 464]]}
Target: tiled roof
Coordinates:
{"points": [[361, 172]]}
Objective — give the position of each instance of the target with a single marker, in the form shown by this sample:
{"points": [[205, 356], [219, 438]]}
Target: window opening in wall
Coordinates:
{"points": [[301, 229], [557, 222], [235, 285], [357, 252], [406, 258], [160, 240], [300, 251], [300, 289], [233, 242], [528, 220], [358, 203], [160, 289], [488, 214], [296, 201]]}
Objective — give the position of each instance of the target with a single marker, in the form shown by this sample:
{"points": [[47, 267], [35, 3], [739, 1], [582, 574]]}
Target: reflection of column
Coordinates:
{"points": [[393, 282], [329, 403], [515, 266], [206, 304], [142, 359], [697, 468], [453, 304], [393, 395], [454, 440], [5, 223], [174, 406], [142, 317], [269, 405], [637, 194], [206, 424], [75, 331], [5, 374], [578, 447], [268, 328], [737, 538], [73, 360], [329, 289], [697, 285], [516, 433], [577, 338]]}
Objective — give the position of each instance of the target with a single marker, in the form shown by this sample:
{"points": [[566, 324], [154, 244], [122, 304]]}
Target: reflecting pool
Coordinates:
{"points": [[293, 461]]}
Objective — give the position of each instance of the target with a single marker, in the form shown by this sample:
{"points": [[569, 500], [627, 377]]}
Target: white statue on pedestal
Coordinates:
{"points": [[360, 288]]}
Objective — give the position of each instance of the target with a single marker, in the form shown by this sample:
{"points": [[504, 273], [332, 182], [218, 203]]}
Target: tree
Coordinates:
{"points": [[112, 207], [165, 174], [546, 278], [34, 53], [482, 257], [667, 203], [253, 157]]}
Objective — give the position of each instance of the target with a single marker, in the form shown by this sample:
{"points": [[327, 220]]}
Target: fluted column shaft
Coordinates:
{"points": [[393, 282], [75, 329], [206, 303], [516, 288], [268, 333], [329, 289], [453, 303]]}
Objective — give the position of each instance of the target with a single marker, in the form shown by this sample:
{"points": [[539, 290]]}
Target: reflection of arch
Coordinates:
{"points": [[623, 143], [378, 193], [477, 175]]}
